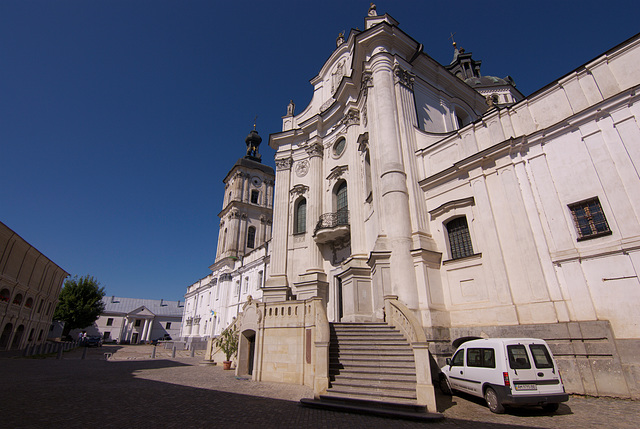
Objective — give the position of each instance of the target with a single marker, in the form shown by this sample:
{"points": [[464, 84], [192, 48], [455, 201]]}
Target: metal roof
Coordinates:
{"points": [[159, 307]]}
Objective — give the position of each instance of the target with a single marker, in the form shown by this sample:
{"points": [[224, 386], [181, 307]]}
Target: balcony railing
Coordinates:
{"points": [[331, 220]]}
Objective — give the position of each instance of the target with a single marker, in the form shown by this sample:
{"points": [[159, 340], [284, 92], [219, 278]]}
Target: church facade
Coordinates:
{"points": [[446, 204]]}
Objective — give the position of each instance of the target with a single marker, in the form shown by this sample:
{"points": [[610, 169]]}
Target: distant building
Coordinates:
{"points": [[29, 287], [131, 320], [242, 254]]}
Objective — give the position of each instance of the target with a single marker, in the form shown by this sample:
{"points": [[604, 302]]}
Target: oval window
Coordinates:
{"points": [[338, 148]]}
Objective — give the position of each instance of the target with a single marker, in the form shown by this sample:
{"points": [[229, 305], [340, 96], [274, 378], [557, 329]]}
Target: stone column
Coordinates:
{"points": [[242, 236], [245, 187], [395, 216], [233, 232], [313, 283], [277, 287]]}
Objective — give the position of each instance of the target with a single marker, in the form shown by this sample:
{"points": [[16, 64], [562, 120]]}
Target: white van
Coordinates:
{"points": [[505, 371]]}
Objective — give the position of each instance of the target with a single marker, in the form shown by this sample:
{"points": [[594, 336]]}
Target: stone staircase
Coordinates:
{"points": [[371, 362]]}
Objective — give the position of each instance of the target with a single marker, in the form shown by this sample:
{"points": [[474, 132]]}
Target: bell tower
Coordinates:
{"points": [[247, 207]]}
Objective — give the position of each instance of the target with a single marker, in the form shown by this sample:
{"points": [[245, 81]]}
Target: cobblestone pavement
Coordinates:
{"points": [[131, 390]]}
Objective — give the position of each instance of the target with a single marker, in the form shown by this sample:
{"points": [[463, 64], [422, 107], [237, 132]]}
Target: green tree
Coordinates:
{"points": [[80, 303]]}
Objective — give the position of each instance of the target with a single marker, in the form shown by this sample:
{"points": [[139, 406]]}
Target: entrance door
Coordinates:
{"points": [[134, 338], [252, 349]]}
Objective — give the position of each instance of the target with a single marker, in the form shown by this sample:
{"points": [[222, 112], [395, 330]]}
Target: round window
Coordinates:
{"points": [[338, 148]]}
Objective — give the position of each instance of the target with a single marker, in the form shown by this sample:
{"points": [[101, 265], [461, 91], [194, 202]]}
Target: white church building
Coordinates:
{"points": [[444, 204]]}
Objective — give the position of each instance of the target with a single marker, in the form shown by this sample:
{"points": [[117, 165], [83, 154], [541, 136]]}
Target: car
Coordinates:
{"points": [[505, 372], [92, 341], [165, 337]]}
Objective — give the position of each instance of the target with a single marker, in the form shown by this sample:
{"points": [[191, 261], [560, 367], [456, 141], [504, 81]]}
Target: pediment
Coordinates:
{"points": [[141, 311]]}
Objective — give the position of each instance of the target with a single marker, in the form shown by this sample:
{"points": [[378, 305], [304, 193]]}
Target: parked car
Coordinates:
{"points": [[505, 371], [165, 337], [92, 341]]}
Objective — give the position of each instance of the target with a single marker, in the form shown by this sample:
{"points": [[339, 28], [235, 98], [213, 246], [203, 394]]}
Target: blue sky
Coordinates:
{"points": [[119, 119]]}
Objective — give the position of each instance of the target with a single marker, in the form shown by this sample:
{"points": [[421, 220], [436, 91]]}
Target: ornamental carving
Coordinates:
{"points": [[302, 168], [366, 83], [336, 76], [284, 164], [327, 104], [337, 172], [403, 76], [351, 118], [315, 149], [299, 190], [364, 115]]}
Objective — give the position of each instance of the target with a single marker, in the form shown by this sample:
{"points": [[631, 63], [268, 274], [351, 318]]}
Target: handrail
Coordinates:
{"points": [[400, 316]]}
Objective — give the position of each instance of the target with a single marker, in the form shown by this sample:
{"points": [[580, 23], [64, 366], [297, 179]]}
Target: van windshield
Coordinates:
{"points": [[541, 356], [518, 358]]}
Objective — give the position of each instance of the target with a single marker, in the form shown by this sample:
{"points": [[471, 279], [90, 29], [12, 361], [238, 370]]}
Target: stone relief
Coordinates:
{"points": [[327, 104], [351, 118], [302, 168], [337, 76], [299, 190]]}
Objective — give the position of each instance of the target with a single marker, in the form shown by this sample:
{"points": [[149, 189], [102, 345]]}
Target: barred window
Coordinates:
{"points": [[589, 219], [459, 238], [301, 217]]}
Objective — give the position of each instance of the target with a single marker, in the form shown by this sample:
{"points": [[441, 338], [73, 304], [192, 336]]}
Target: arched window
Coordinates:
{"points": [[300, 224], [17, 300], [251, 237], [342, 205], [368, 190], [459, 238], [29, 303], [5, 295]]}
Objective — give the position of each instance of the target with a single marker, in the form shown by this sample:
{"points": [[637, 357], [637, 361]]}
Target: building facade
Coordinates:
{"points": [[444, 202], [136, 321], [29, 287], [242, 256]]}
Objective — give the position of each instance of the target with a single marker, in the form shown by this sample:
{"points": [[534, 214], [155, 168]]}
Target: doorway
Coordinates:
{"points": [[247, 349]]}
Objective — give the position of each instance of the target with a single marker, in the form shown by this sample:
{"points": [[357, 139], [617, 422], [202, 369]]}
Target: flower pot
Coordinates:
{"points": [[226, 364]]}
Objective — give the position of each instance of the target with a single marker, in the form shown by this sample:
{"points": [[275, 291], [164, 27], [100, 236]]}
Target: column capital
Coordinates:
{"points": [[403, 77], [284, 164], [315, 149]]}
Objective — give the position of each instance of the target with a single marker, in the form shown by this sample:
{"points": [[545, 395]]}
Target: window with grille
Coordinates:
{"points": [[589, 219], [301, 217], [459, 238], [342, 205], [251, 237]]}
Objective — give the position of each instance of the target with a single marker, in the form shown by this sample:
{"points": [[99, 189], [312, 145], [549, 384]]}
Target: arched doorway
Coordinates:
{"points": [[6, 333], [247, 349], [17, 337]]}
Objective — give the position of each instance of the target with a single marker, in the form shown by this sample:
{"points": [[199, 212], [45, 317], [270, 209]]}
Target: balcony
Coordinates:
{"points": [[332, 226]]}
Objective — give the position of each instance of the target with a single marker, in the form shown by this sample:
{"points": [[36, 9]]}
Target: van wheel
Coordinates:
{"points": [[445, 386], [492, 401], [552, 407]]}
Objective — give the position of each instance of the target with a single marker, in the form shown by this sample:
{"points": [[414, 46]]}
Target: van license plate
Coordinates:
{"points": [[526, 387]]}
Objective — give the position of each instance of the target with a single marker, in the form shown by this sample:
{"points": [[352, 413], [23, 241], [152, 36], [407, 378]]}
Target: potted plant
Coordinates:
{"points": [[228, 343]]}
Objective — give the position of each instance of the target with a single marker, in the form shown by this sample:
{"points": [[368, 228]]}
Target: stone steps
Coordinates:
{"points": [[370, 362]]}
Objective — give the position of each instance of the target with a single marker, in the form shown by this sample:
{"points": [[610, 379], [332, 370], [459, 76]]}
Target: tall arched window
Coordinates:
{"points": [[300, 224], [342, 205], [251, 237], [368, 190], [459, 238], [5, 295]]}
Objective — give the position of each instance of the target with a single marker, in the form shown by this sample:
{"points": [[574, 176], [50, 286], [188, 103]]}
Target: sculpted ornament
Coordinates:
{"points": [[284, 164], [302, 168], [315, 150], [299, 190], [366, 83], [404, 77], [351, 118]]}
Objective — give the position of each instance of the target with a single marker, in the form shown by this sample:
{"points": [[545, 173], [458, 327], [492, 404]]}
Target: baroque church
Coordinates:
{"points": [[429, 203]]}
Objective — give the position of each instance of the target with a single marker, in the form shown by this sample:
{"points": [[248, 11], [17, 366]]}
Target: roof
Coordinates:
{"points": [[248, 163], [159, 307]]}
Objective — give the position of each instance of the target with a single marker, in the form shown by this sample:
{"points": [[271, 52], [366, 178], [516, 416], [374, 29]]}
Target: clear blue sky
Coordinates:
{"points": [[119, 119]]}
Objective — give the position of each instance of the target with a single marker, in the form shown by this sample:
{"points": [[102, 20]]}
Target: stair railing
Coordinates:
{"points": [[401, 317]]}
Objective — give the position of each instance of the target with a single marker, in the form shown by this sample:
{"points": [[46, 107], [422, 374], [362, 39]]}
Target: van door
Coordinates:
{"points": [[480, 368], [521, 373], [547, 375], [456, 370]]}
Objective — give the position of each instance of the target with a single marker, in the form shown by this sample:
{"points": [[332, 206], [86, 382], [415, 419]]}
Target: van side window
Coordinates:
{"points": [[518, 358], [541, 356], [458, 359], [483, 358]]}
